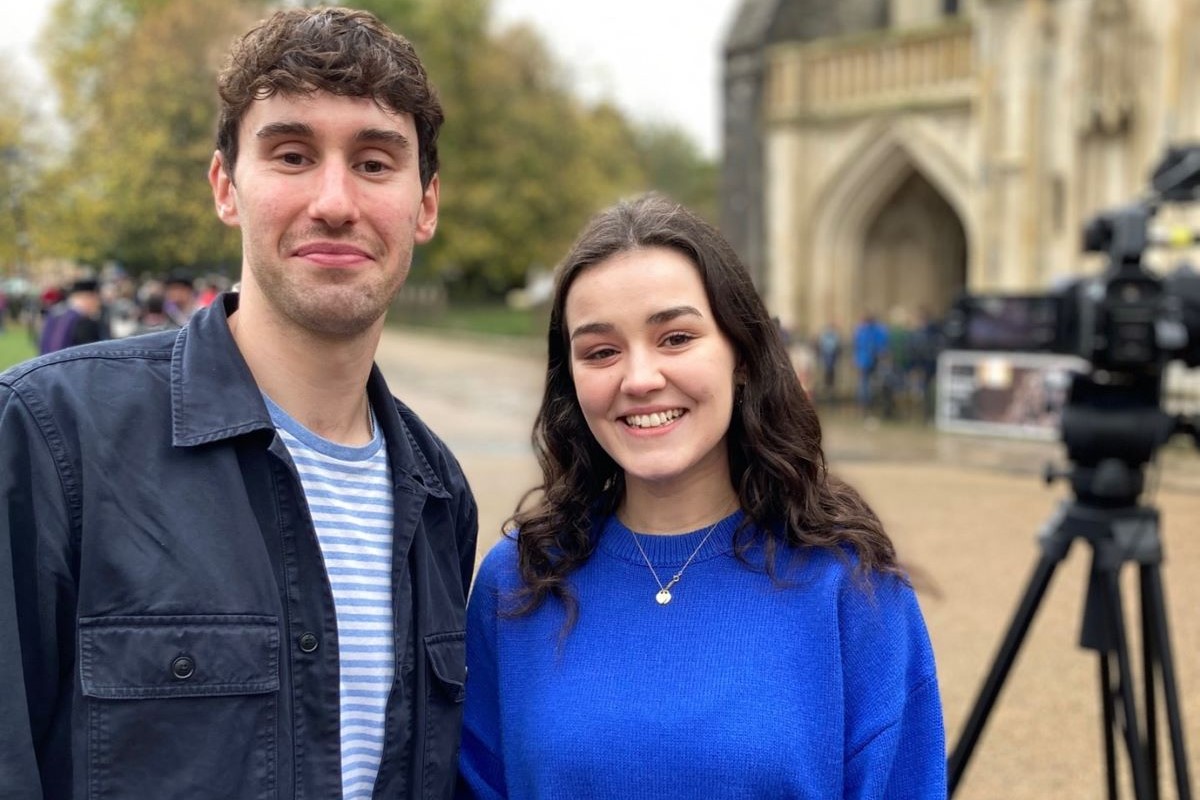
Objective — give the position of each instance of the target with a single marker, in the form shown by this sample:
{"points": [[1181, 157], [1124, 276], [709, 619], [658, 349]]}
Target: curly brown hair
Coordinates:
{"points": [[337, 50], [774, 439]]}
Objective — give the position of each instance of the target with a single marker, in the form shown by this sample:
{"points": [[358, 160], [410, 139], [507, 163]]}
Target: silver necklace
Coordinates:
{"points": [[664, 592]]}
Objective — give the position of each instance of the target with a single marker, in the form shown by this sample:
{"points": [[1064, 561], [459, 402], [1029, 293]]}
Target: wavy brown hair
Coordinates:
{"points": [[774, 439], [337, 50]]}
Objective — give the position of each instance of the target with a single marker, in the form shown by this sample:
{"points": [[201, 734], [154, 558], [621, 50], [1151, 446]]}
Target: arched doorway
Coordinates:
{"points": [[914, 255], [892, 228]]}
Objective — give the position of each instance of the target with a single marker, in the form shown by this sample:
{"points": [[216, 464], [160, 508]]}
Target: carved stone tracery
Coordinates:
{"points": [[1108, 96]]}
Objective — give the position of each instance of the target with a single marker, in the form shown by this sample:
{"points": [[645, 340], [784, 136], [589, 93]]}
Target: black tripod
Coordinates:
{"points": [[1106, 515]]}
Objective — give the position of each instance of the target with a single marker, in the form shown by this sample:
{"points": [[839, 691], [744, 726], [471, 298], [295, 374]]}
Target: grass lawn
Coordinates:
{"points": [[15, 346], [486, 320], [492, 320]]}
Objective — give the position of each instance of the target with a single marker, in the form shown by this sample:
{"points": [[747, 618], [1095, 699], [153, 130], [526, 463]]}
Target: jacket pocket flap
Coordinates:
{"points": [[447, 654], [178, 656]]}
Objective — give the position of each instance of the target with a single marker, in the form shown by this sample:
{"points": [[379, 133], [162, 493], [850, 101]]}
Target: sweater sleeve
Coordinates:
{"points": [[895, 742], [481, 766]]}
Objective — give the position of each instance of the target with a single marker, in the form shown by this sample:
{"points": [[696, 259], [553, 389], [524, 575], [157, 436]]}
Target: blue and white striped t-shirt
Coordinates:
{"points": [[349, 493]]}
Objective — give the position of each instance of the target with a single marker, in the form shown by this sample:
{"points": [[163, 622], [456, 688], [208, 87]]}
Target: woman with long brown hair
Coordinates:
{"points": [[693, 605]]}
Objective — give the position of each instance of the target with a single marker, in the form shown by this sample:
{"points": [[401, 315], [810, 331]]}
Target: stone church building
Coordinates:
{"points": [[884, 154]]}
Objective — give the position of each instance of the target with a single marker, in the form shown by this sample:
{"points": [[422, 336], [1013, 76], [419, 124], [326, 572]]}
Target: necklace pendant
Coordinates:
{"points": [[663, 597]]}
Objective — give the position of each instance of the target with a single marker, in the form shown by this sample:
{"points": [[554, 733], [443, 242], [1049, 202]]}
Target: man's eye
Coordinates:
{"points": [[374, 167], [292, 159]]}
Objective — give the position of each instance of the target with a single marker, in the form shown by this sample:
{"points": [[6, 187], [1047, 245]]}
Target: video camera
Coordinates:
{"points": [[1126, 320], [1126, 323]]}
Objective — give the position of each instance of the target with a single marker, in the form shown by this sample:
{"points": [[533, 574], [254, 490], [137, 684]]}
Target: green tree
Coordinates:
{"points": [[22, 139], [141, 115], [673, 164]]}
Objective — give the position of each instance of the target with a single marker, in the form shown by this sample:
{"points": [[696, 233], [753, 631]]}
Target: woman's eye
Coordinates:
{"points": [[600, 354], [678, 339]]}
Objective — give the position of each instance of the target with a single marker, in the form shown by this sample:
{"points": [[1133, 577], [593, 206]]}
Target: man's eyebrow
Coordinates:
{"points": [[274, 130], [668, 314], [383, 136]]}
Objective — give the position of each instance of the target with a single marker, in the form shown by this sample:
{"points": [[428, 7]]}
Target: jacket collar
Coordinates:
{"points": [[214, 396], [213, 393]]}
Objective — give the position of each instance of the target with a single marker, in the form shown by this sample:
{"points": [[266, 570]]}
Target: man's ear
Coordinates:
{"points": [[427, 214], [224, 192]]}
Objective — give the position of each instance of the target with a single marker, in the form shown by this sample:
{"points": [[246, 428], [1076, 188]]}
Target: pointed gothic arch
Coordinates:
{"points": [[895, 162]]}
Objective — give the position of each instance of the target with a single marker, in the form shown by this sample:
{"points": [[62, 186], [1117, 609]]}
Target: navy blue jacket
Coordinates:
{"points": [[166, 624]]}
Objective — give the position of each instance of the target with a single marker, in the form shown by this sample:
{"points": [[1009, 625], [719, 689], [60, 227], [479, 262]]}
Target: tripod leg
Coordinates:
{"points": [[1107, 693], [1150, 647], [1000, 667], [1153, 590], [1137, 762]]}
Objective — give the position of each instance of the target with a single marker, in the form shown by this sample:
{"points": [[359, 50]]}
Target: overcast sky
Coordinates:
{"points": [[657, 59]]}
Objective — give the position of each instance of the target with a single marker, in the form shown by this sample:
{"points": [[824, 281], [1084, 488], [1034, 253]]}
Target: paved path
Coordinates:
{"points": [[964, 512]]}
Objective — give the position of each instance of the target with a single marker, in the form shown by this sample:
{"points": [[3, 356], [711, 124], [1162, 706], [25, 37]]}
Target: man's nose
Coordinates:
{"points": [[334, 202]]}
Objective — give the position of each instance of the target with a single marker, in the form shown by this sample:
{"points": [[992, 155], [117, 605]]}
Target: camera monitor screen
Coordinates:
{"points": [[1010, 322]]}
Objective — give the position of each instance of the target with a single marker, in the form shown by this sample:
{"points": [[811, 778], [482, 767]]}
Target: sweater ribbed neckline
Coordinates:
{"points": [[670, 550]]}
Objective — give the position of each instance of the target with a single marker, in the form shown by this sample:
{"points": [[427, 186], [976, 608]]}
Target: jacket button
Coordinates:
{"points": [[183, 668], [308, 642]]}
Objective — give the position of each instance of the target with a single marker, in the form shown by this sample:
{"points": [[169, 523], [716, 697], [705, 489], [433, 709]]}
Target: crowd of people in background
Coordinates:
{"points": [[112, 305], [894, 365]]}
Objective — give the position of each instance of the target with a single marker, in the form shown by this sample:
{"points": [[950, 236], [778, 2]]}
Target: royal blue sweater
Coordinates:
{"points": [[740, 687]]}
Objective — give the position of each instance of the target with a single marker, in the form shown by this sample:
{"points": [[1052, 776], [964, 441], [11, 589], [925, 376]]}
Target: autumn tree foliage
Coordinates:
{"points": [[524, 160]]}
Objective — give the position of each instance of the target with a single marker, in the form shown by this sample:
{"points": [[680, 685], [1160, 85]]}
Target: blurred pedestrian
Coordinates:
{"points": [[692, 607], [896, 366], [179, 298], [76, 320], [870, 347], [829, 353], [926, 344], [232, 564], [154, 316], [209, 289]]}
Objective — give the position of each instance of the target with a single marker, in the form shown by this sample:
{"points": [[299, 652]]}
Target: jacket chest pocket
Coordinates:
{"points": [[180, 706]]}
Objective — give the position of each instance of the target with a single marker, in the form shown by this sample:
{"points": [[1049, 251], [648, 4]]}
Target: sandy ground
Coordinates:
{"points": [[965, 513]]}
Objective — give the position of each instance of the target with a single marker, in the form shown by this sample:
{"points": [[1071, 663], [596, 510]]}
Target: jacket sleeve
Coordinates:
{"points": [[467, 533], [481, 766], [895, 740], [37, 593]]}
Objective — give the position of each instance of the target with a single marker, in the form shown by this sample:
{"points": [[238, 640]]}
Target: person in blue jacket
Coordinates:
{"points": [[693, 605], [870, 349]]}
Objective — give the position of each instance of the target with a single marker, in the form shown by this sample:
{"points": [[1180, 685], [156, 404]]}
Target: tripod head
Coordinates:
{"points": [[1111, 433]]}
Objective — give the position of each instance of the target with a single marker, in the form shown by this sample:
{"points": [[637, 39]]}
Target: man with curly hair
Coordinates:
{"points": [[232, 564]]}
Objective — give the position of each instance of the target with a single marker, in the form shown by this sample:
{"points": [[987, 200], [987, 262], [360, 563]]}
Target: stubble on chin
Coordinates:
{"points": [[331, 307]]}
